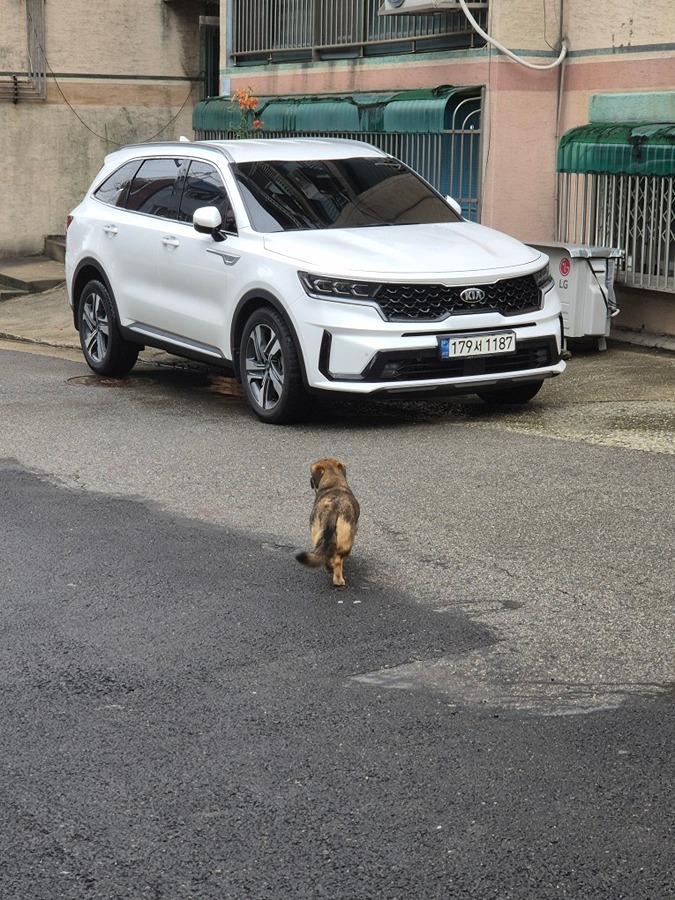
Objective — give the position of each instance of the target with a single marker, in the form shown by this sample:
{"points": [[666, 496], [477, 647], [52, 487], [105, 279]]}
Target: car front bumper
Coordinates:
{"points": [[351, 349]]}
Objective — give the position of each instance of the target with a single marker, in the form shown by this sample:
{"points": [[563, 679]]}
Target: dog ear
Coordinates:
{"points": [[316, 476], [342, 467]]}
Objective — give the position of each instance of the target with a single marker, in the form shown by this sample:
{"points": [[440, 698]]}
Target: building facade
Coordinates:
{"points": [[572, 139], [78, 79], [535, 146]]}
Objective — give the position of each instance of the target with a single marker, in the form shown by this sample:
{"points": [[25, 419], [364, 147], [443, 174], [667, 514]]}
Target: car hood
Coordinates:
{"points": [[412, 251]]}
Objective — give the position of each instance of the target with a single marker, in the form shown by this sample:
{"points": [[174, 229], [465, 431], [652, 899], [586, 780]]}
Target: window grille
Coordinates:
{"points": [[633, 212], [29, 82], [449, 160], [277, 31]]}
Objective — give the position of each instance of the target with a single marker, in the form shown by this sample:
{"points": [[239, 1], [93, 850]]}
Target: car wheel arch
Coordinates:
{"points": [[247, 305], [86, 271]]}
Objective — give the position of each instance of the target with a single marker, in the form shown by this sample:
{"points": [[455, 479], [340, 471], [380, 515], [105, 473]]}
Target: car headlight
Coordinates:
{"points": [[327, 288], [543, 278]]}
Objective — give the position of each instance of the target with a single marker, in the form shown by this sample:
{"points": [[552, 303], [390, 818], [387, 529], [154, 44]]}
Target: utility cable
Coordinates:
{"points": [[101, 137], [510, 53]]}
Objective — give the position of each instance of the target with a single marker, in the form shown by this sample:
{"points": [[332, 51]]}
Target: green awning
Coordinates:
{"points": [[625, 149], [420, 111]]}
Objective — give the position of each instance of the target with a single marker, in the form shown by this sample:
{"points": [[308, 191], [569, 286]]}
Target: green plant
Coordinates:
{"points": [[247, 104]]}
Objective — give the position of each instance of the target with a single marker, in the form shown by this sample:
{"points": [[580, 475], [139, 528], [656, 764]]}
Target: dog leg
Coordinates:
{"points": [[338, 577]]}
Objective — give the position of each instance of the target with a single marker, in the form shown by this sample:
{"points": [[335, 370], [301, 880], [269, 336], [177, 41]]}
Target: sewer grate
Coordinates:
{"points": [[211, 384], [100, 381]]}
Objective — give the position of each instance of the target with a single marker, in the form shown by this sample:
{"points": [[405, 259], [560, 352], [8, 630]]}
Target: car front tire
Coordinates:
{"points": [[104, 348], [269, 368], [514, 395]]}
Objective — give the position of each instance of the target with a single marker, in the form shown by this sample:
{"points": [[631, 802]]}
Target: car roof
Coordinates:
{"points": [[255, 149]]}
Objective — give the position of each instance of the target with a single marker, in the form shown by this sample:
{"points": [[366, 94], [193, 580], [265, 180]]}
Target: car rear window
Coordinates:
{"points": [[339, 193], [114, 189], [154, 189]]}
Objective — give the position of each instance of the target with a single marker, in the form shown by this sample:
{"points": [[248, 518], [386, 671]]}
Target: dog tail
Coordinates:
{"points": [[322, 552], [313, 560]]}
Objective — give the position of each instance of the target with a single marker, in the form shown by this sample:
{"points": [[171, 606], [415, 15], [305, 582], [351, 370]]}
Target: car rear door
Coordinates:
{"points": [[132, 235], [193, 268]]}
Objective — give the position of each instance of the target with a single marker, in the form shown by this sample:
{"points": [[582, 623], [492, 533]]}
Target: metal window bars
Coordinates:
{"points": [[272, 31], [450, 160], [633, 212], [31, 82]]}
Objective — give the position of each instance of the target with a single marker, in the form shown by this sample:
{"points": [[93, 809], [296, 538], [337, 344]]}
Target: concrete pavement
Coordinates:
{"points": [[548, 521], [623, 396], [43, 318]]}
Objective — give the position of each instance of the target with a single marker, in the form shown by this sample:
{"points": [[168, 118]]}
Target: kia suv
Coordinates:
{"points": [[305, 265]]}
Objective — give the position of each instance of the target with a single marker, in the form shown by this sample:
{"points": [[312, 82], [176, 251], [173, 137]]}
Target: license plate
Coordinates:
{"points": [[458, 345]]}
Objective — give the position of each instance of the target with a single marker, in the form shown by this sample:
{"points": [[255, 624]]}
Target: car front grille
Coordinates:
{"points": [[432, 302], [421, 365]]}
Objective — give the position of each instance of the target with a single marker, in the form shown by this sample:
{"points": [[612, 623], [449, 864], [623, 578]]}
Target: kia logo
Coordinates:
{"points": [[472, 295]]}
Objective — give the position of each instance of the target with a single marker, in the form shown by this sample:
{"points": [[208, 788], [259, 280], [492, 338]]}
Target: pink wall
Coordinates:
{"points": [[520, 124]]}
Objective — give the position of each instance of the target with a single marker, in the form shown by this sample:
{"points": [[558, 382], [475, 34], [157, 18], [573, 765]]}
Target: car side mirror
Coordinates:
{"points": [[207, 220], [454, 205]]}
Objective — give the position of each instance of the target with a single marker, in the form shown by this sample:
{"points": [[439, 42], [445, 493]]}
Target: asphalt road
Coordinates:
{"points": [[485, 711]]}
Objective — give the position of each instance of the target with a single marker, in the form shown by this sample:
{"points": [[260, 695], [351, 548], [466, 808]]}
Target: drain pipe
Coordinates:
{"points": [[510, 53], [558, 118], [561, 74]]}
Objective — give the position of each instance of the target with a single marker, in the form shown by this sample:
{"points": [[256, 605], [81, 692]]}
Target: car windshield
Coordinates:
{"points": [[337, 193]]}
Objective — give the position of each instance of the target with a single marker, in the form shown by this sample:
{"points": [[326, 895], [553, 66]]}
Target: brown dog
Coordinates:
{"points": [[334, 518]]}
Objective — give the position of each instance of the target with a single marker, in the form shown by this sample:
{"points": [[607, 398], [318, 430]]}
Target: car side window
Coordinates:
{"points": [[155, 189], [114, 189], [204, 187]]}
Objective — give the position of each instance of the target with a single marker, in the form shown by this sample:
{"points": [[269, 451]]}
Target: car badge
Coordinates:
{"points": [[472, 295]]}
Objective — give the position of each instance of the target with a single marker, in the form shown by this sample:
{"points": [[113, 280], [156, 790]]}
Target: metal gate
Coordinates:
{"points": [[449, 159], [633, 212]]}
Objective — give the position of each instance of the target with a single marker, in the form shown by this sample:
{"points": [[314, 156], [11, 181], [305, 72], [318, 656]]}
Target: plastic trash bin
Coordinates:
{"points": [[584, 276]]}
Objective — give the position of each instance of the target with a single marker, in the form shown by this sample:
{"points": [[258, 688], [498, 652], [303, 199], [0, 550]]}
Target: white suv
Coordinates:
{"points": [[305, 265]]}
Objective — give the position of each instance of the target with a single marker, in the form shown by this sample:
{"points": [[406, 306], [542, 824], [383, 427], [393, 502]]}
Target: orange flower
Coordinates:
{"points": [[242, 96], [248, 105]]}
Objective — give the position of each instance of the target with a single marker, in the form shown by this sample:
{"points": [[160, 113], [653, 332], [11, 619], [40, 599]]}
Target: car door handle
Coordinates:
{"points": [[110, 229], [170, 242]]}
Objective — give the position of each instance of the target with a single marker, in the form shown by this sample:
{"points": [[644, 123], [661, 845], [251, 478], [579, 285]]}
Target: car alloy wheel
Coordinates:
{"points": [[104, 348], [95, 327], [270, 368], [264, 367]]}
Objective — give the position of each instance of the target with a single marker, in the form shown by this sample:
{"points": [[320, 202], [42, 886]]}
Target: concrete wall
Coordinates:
{"points": [[125, 72], [614, 47], [13, 53], [645, 312], [618, 24], [122, 72]]}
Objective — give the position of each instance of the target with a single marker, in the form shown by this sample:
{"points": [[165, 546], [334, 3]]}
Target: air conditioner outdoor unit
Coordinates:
{"points": [[422, 7]]}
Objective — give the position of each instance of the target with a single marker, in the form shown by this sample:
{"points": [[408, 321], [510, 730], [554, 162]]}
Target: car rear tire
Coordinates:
{"points": [[104, 348], [269, 368], [517, 394]]}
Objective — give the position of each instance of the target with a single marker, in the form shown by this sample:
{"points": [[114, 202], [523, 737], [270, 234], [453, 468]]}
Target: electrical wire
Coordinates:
{"points": [[74, 111], [510, 53], [103, 137]]}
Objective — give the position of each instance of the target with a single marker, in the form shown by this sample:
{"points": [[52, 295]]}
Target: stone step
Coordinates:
{"points": [[55, 247], [33, 274], [8, 293]]}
